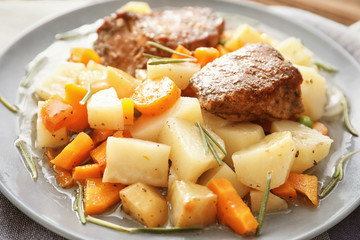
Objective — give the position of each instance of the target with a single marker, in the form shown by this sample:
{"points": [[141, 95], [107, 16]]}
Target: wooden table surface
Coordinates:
{"points": [[346, 12]]}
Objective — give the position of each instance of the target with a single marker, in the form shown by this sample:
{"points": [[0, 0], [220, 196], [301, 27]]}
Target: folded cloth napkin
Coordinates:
{"points": [[16, 225]]}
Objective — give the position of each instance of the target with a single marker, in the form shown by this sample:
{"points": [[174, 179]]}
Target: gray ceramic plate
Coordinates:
{"points": [[42, 202]]}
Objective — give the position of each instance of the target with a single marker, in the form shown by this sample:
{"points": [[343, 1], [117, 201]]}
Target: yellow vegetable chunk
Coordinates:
{"points": [[191, 205], [274, 204], [145, 204], [137, 7], [123, 83], [293, 50], [130, 160]]}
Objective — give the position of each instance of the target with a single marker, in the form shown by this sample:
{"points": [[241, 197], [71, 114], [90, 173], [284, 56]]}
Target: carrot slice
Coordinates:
{"points": [[99, 196], [222, 50], [83, 55], [180, 48], [75, 152], [78, 121], [100, 135], [321, 128], [55, 113], [231, 209], [285, 191], [305, 184], [63, 176], [153, 97], [128, 110], [99, 155], [81, 173], [204, 55]]}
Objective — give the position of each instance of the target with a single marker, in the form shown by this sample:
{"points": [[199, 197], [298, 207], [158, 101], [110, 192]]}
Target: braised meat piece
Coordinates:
{"points": [[123, 36], [251, 84]]}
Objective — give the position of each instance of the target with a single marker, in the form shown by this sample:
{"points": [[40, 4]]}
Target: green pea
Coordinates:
{"points": [[306, 121]]}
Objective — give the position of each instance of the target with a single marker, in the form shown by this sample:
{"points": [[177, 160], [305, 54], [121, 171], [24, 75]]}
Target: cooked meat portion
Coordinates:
{"points": [[122, 38], [253, 83]]}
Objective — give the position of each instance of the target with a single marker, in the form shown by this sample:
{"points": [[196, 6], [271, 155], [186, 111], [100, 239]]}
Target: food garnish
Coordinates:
{"points": [[325, 66], [87, 96], [166, 49], [305, 120], [27, 157], [346, 116], [12, 108], [78, 204], [264, 203], [26, 81]]}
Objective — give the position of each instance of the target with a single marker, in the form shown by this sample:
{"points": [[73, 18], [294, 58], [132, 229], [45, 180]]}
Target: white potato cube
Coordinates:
{"points": [[212, 121], [188, 157], [293, 50], [311, 146], [105, 110], [130, 160], [137, 7], [123, 83], [275, 152], [149, 127], [191, 205], [239, 136], [313, 92], [145, 204], [180, 73], [274, 204], [44, 138], [224, 171]]}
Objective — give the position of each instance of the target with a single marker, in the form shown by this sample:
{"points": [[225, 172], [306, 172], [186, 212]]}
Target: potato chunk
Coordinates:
{"points": [[246, 134], [274, 203], [145, 204], [130, 160], [105, 110], [123, 83], [311, 146], [188, 156], [191, 205], [275, 152], [294, 51]]}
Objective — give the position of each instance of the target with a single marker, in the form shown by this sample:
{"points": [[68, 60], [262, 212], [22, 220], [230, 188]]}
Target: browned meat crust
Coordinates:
{"points": [[251, 84], [122, 38]]}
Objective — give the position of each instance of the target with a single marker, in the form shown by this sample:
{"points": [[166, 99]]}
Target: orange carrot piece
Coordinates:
{"points": [[231, 209], [305, 184], [128, 110], [49, 155], [222, 50], [100, 135], [180, 48], [321, 128], [75, 152], [204, 55], [285, 191], [81, 173], [83, 55], [99, 155], [99, 196], [78, 121], [153, 97], [127, 134], [55, 114], [119, 133], [63, 176]]}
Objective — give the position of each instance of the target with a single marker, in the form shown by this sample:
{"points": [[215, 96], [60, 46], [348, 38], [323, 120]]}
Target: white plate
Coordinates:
{"points": [[43, 203]]}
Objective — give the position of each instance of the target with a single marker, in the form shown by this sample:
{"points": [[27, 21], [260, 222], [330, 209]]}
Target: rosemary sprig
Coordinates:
{"points": [[79, 203], [158, 61], [325, 66], [140, 229], [207, 141], [27, 157], [87, 96], [346, 116], [264, 203], [12, 108], [26, 81], [166, 49], [337, 176]]}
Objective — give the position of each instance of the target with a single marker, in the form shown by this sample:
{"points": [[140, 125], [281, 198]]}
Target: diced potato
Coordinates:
{"points": [[130, 160], [145, 204], [149, 127], [295, 51], [311, 146], [141, 74], [137, 7], [191, 205], [212, 121], [87, 77], [224, 171], [274, 204], [44, 138], [70, 69], [313, 92], [105, 110], [188, 157], [275, 152], [239, 136], [180, 73], [244, 34], [270, 40], [172, 177], [92, 65], [123, 83]]}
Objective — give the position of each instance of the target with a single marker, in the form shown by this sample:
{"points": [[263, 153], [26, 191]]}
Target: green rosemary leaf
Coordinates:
{"points": [[12, 108], [27, 157], [325, 66], [264, 203], [213, 151], [346, 116], [166, 49], [26, 81], [80, 205], [159, 61], [214, 141], [87, 96], [203, 137], [329, 187], [152, 56]]}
